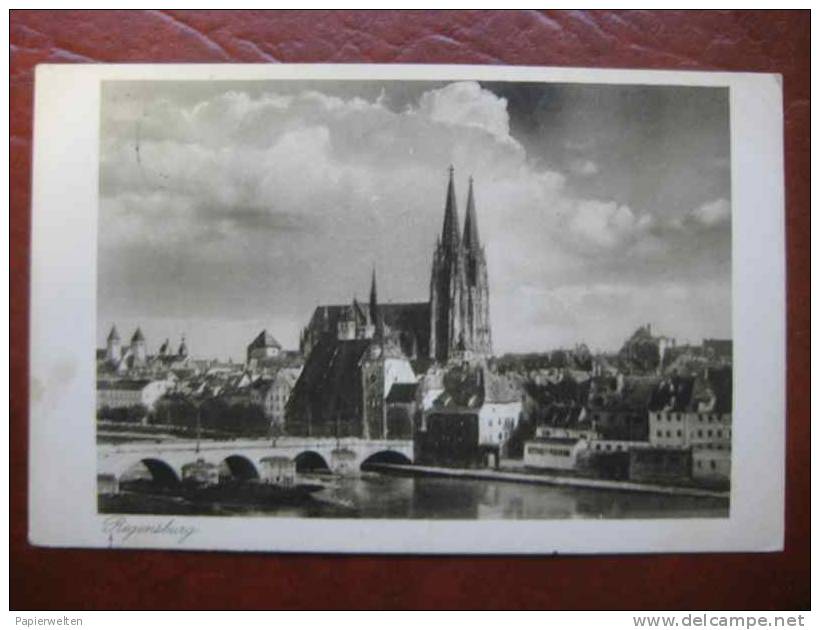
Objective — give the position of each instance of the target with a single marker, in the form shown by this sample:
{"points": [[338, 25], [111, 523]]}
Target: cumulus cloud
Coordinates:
{"points": [[712, 213], [583, 168], [605, 224], [466, 103], [240, 204]]}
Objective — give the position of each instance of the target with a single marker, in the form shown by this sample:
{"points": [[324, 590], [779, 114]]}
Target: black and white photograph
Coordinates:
{"points": [[414, 300], [403, 310]]}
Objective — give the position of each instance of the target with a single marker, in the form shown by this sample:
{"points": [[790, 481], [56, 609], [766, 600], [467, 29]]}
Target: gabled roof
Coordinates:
{"points": [[717, 382], [265, 340], [262, 384], [673, 393], [402, 393], [288, 375], [410, 321], [638, 390], [330, 383], [500, 389], [124, 384]]}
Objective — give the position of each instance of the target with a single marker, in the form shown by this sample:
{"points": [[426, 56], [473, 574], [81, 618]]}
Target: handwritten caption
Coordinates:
{"points": [[120, 529]]}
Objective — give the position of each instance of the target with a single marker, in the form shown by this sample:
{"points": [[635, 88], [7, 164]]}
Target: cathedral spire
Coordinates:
{"points": [[375, 320], [373, 299], [449, 234], [471, 242]]}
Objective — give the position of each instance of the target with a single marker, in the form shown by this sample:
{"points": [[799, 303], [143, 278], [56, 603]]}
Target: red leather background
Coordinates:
{"points": [[734, 40]]}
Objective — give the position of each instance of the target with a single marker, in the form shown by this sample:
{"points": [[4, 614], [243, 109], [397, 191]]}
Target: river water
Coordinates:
{"points": [[377, 495]]}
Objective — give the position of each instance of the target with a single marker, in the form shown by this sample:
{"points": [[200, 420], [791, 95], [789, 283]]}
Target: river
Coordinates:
{"points": [[377, 495]]}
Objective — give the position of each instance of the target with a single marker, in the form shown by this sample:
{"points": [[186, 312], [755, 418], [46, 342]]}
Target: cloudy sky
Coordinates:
{"points": [[228, 207]]}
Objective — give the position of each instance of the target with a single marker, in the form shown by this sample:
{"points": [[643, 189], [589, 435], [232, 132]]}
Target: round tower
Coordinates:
{"points": [[113, 349]]}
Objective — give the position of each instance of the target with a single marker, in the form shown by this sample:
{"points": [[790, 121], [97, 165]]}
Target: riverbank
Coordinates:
{"points": [[552, 479], [401, 495]]}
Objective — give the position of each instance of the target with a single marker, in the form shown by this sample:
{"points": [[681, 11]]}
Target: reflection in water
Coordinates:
{"points": [[375, 495], [383, 496]]}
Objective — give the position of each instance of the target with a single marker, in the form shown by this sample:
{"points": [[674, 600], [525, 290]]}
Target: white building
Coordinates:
{"points": [[279, 394], [614, 446], [500, 412], [681, 429], [712, 463], [115, 394], [497, 421], [397, 370], [559, 453], [580, 432]]}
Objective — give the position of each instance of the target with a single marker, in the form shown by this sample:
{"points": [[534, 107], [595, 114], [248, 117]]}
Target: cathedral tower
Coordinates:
{"points": [[459, 293], [376, 320], [478, 337]]}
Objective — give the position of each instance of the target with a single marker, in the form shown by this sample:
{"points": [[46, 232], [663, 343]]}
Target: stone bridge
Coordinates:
{"points": [[242, 458]]}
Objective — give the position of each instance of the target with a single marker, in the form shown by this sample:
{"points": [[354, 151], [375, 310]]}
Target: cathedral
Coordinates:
{"points": [[453, 326], [459, 291], [362, 359]]}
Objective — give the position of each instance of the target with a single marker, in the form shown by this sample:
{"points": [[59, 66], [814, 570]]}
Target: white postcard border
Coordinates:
{"points": [[62, 448]]}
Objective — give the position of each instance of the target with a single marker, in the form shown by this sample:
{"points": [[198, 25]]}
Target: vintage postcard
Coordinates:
{"points": [[437, 309]]}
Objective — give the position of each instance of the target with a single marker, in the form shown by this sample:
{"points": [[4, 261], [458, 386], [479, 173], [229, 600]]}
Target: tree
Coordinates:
{"points": [[524, 431]]}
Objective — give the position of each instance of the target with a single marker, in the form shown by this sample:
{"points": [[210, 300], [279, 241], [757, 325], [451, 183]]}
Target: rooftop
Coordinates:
{"points": [[402, 393], [264, 340]]}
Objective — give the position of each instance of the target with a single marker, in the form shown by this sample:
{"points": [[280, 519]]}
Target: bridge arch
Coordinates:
{"points": [[238, 467], [310, 461], [161, 472], [385, 457]]}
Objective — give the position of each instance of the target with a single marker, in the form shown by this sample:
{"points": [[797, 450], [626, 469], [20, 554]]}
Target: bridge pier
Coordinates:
{"points": [[244, 459]]}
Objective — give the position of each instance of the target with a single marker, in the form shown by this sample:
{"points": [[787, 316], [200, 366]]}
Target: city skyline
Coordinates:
{"points": [[229, 208]]}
